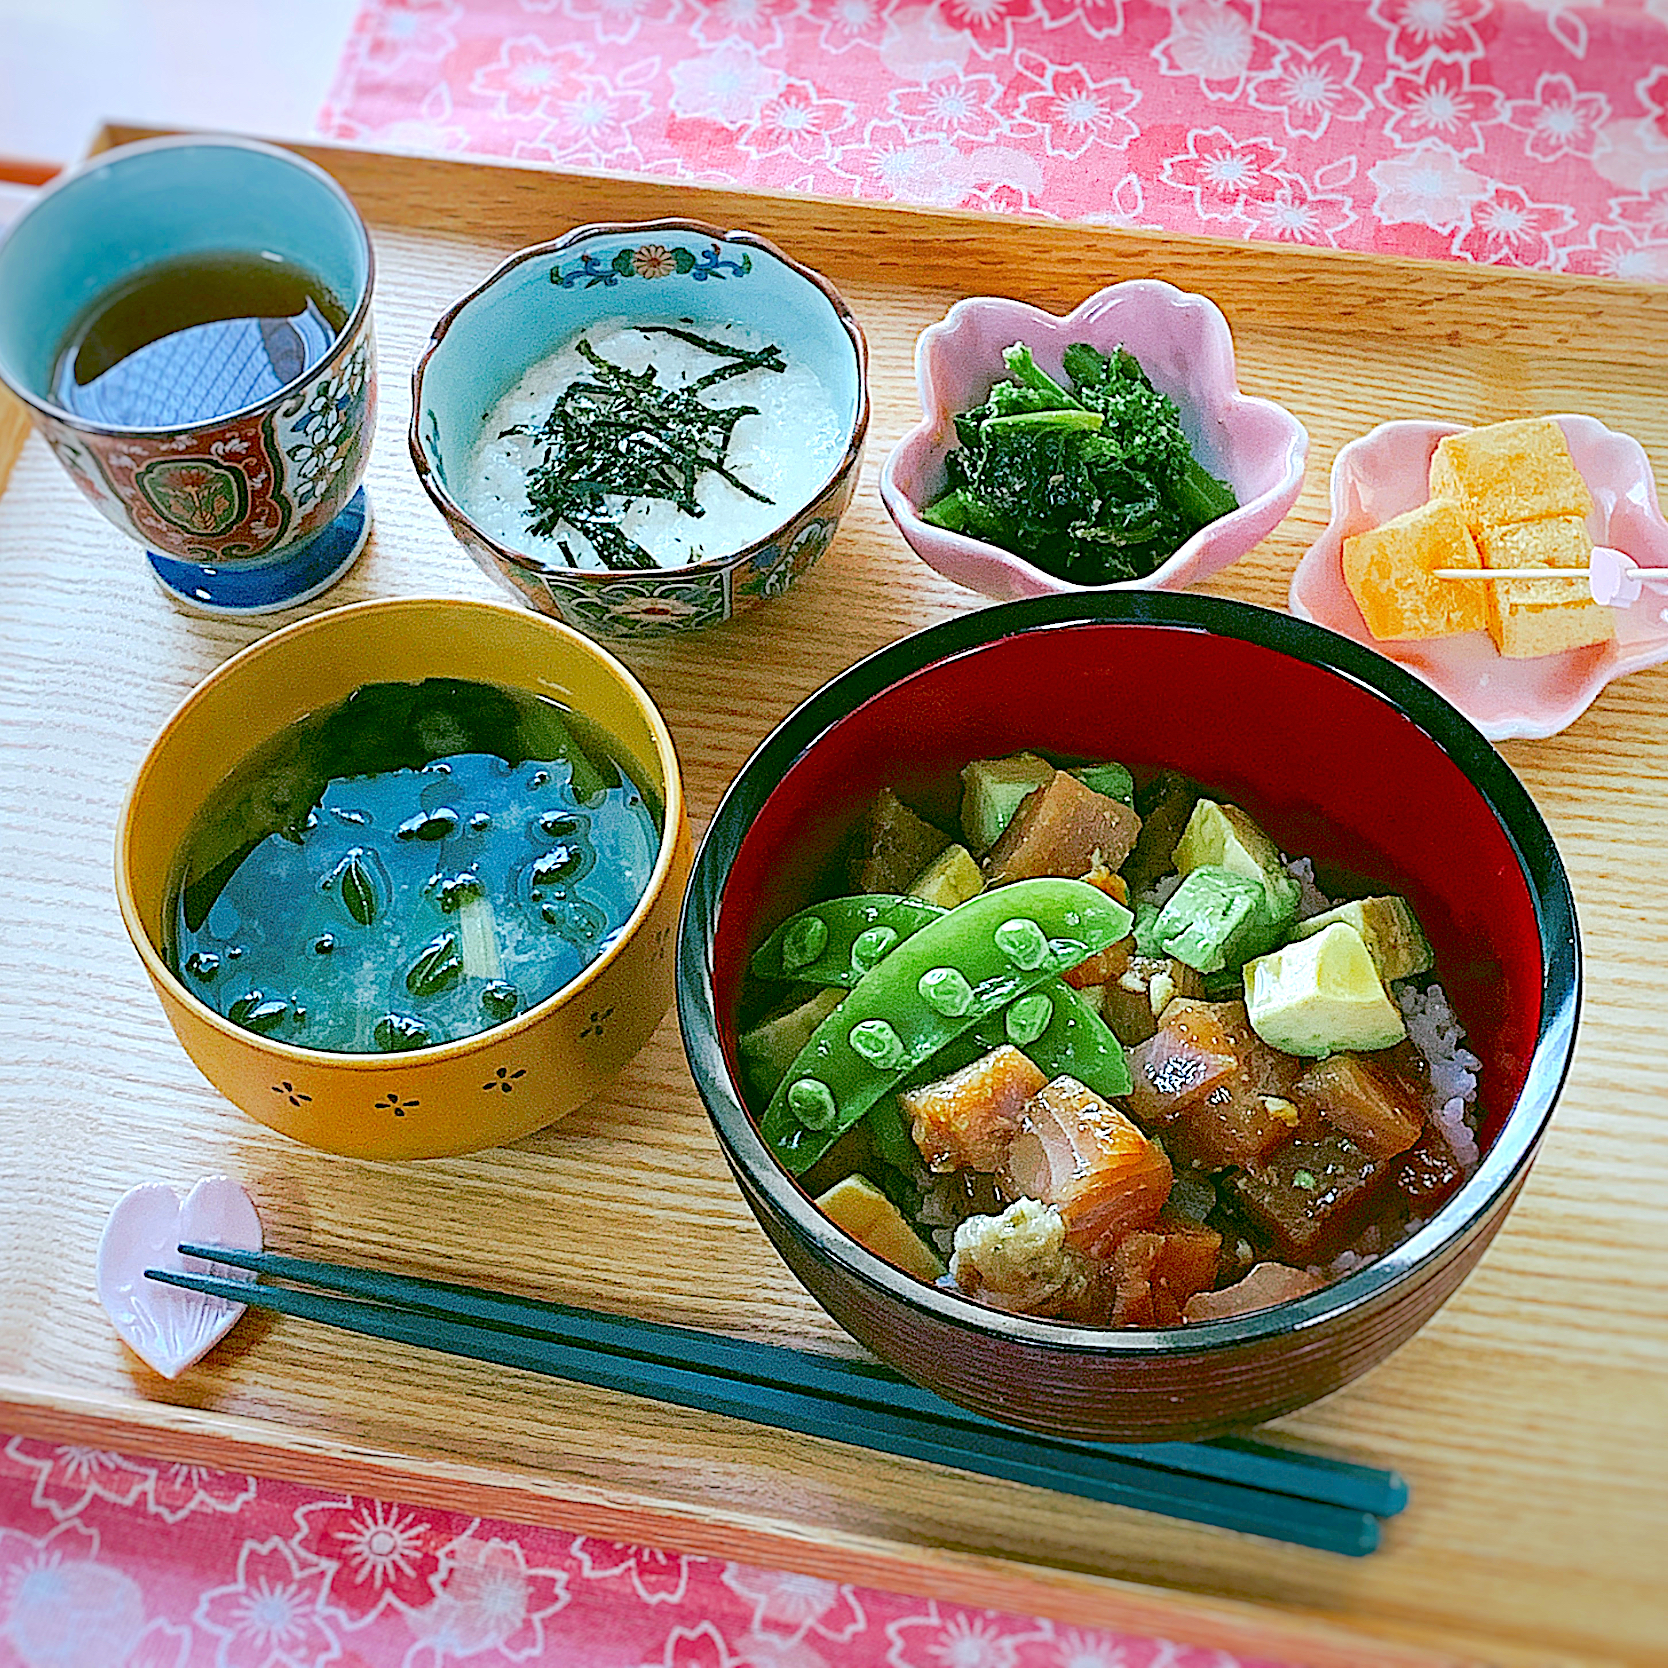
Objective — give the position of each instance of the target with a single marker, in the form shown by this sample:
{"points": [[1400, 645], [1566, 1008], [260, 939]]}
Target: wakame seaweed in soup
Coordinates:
{"points": [[411, 866]]}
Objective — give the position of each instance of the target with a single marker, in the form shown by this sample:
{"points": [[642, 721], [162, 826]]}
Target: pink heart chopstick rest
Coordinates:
{"points": [[165, 1327]]}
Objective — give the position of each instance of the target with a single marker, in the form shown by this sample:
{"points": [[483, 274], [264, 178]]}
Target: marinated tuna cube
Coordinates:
{"points": [[966, 1120], [1020, 1261], [1165, 805], [1428, 1173], [1232, 1125], [1267, 1070], [1179, 1065], [1242, 1121], [1242, 1114], [1266, 1285], [1080, 1154], [1408, 1068], [1065, 829], [1140, 991], [896, 845], [1157, 1271], [1240, 1251], [1371, 1107], [1307, 1195]]}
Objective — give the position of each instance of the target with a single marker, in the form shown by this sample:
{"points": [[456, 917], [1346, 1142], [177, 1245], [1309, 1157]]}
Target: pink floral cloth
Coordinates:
{"points": [[107, 1561], [1524, 132]]}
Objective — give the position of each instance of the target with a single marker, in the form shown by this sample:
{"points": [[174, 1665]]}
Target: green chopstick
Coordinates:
{"points": [[1243, 1460], [1304, 1498], [1015, 1457]]}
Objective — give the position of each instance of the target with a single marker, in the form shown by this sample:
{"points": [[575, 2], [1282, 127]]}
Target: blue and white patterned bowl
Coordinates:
{"points": [[662, 271]]}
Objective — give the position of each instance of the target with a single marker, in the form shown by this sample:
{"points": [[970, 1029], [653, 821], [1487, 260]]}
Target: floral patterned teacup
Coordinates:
{"points": [[251, 501], [661, 272]]}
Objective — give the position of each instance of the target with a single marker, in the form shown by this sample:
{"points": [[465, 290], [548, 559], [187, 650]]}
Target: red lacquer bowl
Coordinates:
{"points": [[1342, 756]]}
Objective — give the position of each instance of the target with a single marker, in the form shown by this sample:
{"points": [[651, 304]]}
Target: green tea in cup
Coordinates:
{"points": [[195, 337]]}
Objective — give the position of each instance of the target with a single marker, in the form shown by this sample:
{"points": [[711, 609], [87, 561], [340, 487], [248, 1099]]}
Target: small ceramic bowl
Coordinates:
{"points": [[1184, 346], [479, 1091], [660, 272], [1343, 757], [1388, 471]]}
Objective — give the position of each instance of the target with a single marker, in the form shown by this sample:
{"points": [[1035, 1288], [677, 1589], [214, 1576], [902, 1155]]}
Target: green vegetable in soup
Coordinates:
{"points": [[408, 866]]}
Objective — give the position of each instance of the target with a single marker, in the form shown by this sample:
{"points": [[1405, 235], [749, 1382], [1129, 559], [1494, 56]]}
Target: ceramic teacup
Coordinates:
{"points": [[250, 499]]}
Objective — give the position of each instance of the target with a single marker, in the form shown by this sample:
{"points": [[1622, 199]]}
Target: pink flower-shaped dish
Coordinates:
{"points": [[1184, 346], [1388, 471]]}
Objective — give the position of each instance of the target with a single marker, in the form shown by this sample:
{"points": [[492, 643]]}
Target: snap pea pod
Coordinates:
{"points": [[837, 942], [1075, 1041], [950, 975], [891, 1134]]}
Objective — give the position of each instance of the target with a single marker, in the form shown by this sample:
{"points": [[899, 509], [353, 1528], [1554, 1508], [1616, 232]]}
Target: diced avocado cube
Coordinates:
{"points": [[1223, 836], [769, 1049], [1321, 994], [950, 879], [864, 1212], [1272, 928], [1388, 928], [992, 790], [1110, 779], [1204, 918]]}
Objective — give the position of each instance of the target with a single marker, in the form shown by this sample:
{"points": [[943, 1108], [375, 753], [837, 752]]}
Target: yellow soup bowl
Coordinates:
{"points": [[455, 1097]]}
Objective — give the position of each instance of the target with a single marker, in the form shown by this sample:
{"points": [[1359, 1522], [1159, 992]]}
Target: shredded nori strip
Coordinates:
{"points": [[622, 435]]}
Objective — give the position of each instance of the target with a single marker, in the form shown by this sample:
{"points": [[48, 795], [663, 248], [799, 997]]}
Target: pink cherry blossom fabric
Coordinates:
{"points": [[1506, 132], [108, 1561]]}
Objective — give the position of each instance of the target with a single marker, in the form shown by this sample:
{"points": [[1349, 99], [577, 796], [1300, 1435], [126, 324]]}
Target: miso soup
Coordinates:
{"points": [[411, 866]]}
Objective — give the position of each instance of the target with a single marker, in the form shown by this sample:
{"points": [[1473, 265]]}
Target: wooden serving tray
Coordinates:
{"points": [[1529, 1415]]}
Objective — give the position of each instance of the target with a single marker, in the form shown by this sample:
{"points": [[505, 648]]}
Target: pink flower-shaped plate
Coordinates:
{"points": [[1388, 471], [1184, 346]]}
